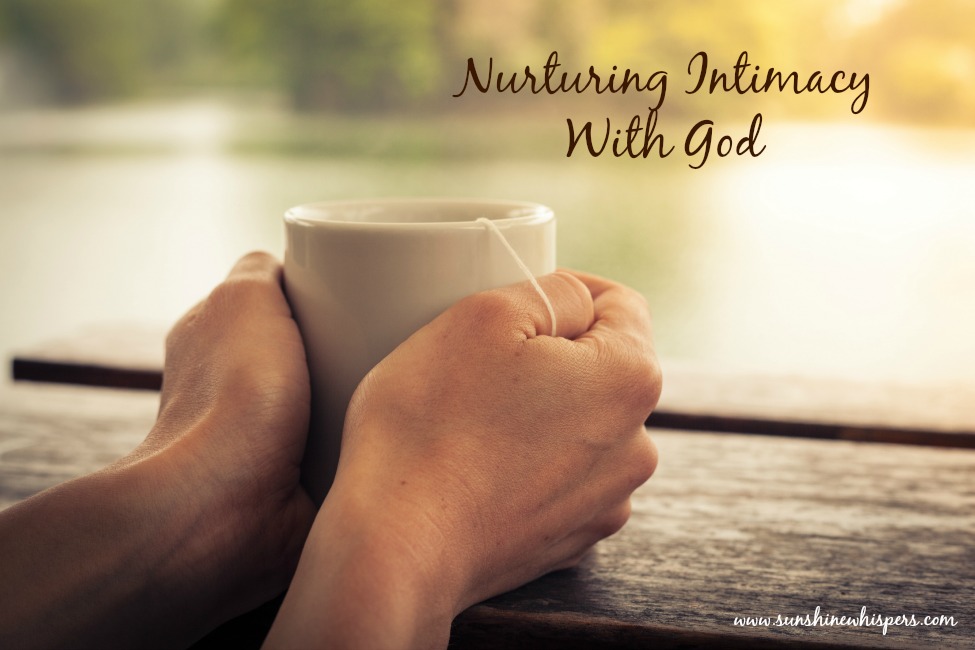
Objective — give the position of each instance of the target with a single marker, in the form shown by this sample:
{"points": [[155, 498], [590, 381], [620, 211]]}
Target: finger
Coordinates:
{"points": [[618, 309], [255, 268], [623, 335], [519, 308], [253, 286], [248, 280], [571, 302], [596, 284], [256, 265]]}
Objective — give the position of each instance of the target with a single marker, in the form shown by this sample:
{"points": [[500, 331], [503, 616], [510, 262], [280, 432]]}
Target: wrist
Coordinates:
{"points": [[100, 549], [179, 563], [212, 555], [370, 577]]}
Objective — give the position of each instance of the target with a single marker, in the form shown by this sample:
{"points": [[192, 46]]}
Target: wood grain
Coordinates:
{"points": [[707, 398], [729, 526], [52, 433], [695, 398], [122, 355], [742, 526]]}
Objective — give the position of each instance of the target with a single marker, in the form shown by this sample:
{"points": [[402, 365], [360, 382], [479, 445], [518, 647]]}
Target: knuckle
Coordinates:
{"points": [[258, 258], [225, 305], [173, 337], [652, 382], [257, 263], [237, 292], [644, 459], [490, 308], [574, 560], [178, 332], [573, 285], [614, 520], [639, 379]]}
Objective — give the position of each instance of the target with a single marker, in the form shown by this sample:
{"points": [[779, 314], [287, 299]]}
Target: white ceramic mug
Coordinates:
{"points": [[362, 276]]}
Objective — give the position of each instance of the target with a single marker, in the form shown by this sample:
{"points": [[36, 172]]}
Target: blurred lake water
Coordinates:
{"points": [[845, 249]]}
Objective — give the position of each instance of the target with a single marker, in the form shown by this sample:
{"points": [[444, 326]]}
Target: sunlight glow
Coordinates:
{"points": [[864, 12]]}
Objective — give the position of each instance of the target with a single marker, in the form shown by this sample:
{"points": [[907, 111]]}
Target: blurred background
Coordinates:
{"points": [[147, 144]]}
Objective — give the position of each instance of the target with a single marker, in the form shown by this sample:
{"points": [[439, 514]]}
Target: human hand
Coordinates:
{"points": [[231, 431], [477, 456], [201, 522]]}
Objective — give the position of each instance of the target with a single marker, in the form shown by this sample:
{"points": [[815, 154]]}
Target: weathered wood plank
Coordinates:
{"points": [[845, 405], [729, 526], [744, 526], [114, 356], [52, 433], [694, 398]]}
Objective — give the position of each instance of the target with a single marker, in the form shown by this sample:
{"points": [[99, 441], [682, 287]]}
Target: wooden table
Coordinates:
{"points": [[809, 514]]}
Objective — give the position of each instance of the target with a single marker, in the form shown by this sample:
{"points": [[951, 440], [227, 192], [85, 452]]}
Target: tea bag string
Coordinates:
{"points": [[493, 227]]}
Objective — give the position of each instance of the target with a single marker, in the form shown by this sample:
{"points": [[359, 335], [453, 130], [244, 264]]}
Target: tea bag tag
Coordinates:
{"points": [[493, 227]]}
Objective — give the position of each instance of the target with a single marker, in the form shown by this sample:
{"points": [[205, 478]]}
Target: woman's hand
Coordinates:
{"points": [[204, 520], [231, 432], [479, 455]]}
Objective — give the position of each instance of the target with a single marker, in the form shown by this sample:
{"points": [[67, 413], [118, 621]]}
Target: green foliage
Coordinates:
{"points": [[93, 49], [336, 54], [357, 56]]}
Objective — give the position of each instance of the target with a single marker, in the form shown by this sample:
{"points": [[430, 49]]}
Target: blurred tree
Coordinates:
{"points": [[923, 57], [94, 49], [665, 34], [335, 54], [86, 48], [381, 56]]}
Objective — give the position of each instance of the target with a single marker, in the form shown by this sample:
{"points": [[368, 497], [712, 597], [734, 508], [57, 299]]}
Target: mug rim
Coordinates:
{"points": [[315, 214]]}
